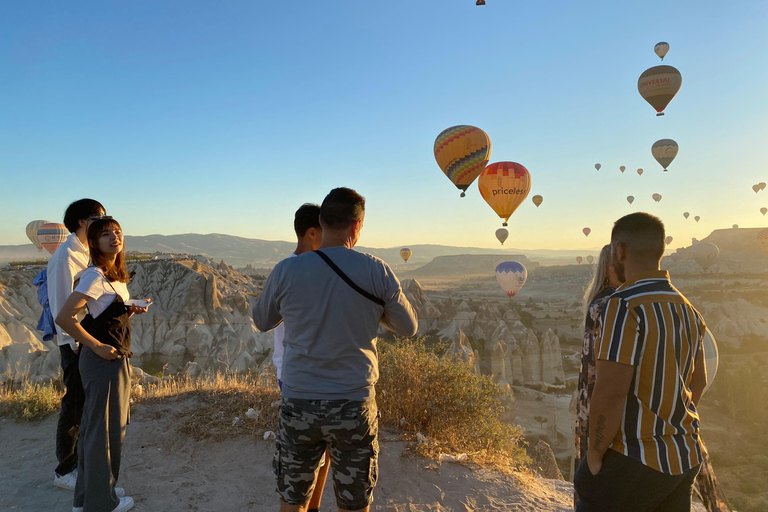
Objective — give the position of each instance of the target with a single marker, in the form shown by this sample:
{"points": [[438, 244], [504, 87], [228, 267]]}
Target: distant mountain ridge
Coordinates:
{"points": [[239, 251]]}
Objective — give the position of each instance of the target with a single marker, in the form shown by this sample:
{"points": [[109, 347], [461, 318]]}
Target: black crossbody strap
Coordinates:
{"points": [[347, 280]]}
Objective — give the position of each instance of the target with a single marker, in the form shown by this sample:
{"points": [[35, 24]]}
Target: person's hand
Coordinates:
{"points": [[595, 462], [138, 310], [107, 352]]}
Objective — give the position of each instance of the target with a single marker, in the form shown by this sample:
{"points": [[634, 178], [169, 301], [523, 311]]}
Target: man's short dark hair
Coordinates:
{"points": [[341, 207], [81, 210], [641, 233], [307, 216]]}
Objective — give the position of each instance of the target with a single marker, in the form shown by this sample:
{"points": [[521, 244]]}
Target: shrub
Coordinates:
{"points": [[32, 402], [455, 408]]}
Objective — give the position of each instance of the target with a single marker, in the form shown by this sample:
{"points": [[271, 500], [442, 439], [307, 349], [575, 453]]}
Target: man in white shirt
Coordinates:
{"points": [[309, 235], [64, 268]]}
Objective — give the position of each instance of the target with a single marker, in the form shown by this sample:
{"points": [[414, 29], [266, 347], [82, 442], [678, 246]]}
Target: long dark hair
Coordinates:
{"points": [[113, 272]]}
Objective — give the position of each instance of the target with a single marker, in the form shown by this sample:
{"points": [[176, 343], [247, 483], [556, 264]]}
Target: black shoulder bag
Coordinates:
{"points": [[347, 280]]}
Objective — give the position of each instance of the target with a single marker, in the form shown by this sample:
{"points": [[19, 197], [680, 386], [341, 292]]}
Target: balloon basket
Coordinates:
{"points": [[659, 114], [504, 224], [463, 195]]}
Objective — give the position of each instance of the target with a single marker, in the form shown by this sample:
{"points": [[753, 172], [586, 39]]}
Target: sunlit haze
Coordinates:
{"points": [[224, 117]]}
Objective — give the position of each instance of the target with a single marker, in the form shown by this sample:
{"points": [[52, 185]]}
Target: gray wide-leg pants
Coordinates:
{"points": [[102, 430]]}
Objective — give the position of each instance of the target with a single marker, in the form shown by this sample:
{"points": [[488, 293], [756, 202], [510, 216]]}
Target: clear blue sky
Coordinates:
{"points": [[191, 116]]}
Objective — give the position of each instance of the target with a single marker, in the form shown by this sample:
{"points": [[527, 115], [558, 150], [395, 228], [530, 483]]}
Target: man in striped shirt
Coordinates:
{"points": [[644, 451]]}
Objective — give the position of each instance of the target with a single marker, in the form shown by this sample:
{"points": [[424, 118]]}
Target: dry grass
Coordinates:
{"points": [[30, 402], [457, 410]]}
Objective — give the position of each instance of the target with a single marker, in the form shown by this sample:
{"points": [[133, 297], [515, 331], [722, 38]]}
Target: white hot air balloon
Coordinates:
{"points": [[664, 151], [630, 199], [661, 49], [597, 166], [502, 234], [656, 197]]}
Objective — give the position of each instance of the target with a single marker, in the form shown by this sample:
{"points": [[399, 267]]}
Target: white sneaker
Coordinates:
{"points": [[126, 503], [67, 481], [120, 493]]}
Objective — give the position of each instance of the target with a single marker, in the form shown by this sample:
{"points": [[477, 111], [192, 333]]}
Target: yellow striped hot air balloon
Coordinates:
{"points": [[405, 253], [504, 186], [52, 235], [658, 85], [31, 230], [462, 152]]}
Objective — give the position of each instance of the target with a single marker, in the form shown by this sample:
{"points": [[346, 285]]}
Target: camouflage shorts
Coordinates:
{"points": [[349, 429]]}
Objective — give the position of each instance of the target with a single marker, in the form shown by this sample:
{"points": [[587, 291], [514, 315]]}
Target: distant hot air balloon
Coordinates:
{"points": [[511, 276], [697, 218], [661, 49], [762, 239], [462, 153], [586, 231], [31, 230], [658, 85], [686, 214], [763, 210], [590, 259], [664, 151], [579, 259], [405, 253], [622, 168], [762, 185], [705, 254], [756, 187], [668, 240], [630, 199], [52, 235], [537, 200], [735, 226], [639, 172], [656, 197], [504, 186], [597, 166], [502, 234]]}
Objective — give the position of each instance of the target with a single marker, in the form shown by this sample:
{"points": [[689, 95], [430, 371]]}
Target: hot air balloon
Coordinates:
{"points": [[480, 2], [763, 210], [661, 49], [658, 85], [462, 153], [756, 187], [597, 166], [762, 185], [639, 172], [735, 226], [668, 240], [586, 231], [705, 254], [52, 235], [664, 151], [502, 234], [590, 259], [511, 276], [504, 186], [656, 197], [697, 218], [622, 168], [537, 200], [686, 214], [405, 253], [762, 239], [630, 199], [31, 230], [711, 358], [579, 259]]}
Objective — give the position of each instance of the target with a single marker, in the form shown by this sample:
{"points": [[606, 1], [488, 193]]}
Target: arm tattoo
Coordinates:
{"points": [[599, 436]]}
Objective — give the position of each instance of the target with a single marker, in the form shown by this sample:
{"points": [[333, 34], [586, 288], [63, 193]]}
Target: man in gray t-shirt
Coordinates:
{"points": [[330, 362]]}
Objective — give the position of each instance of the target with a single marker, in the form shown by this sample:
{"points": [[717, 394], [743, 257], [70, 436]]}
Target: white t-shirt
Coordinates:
{"points": [[277, 353], [100, 291]]}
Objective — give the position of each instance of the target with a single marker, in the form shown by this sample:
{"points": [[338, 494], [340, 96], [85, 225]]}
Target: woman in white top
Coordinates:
{"points": [[105, 338]]}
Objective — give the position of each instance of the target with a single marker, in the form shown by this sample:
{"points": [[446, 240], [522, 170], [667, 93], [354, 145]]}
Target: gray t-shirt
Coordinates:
{"points": [[330, 329]]}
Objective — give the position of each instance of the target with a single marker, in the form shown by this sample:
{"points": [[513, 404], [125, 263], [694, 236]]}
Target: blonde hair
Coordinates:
{"points": [[599, 277]]}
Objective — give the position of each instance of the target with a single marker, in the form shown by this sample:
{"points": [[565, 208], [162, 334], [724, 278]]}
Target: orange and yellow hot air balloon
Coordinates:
{"points": [[462, 152], [52, 235], [504, 186], [405, 253]]}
